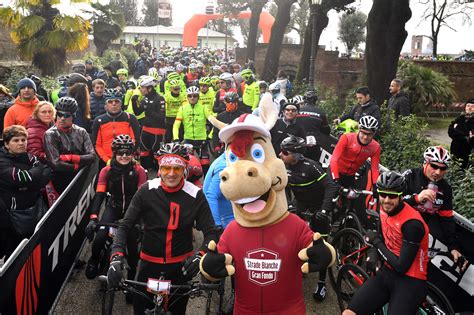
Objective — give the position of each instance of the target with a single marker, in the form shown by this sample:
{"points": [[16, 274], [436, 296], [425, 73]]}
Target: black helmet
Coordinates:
{"points": [[122, 142], [231, 97], [310, 96], [391, 181], [35, 79], [67, 104], [293, 144], [174, 148], [130, 85], [76, 78]]}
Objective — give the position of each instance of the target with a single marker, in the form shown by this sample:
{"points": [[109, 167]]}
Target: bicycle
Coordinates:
{"points": [[162, 290]]}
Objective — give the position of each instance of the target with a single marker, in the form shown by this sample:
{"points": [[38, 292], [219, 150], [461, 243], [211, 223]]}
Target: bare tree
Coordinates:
{"points": [[441, 12]]}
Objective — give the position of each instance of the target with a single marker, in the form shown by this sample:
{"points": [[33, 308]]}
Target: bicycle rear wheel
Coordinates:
{"points": [[345, 242], [435, 303], [108, 302], [351, 221], [350, 278]]}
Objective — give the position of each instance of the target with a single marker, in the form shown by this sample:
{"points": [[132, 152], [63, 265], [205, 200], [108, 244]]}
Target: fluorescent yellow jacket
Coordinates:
{"points": [[174, 103], [194, 118], [251, 95]]}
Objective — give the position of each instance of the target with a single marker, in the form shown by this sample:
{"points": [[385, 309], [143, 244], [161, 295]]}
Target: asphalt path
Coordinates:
{"points": [[83, 296]]}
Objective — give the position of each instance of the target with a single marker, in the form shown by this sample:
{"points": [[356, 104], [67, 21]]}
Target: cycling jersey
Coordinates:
{"points": [[270, 264], [349, 155], [169, 215], [173, 103], [251, 95], [105, 128], [165, 87], [313, 120], [153, 105], [207, 99], [194, 118], [311, 186]]}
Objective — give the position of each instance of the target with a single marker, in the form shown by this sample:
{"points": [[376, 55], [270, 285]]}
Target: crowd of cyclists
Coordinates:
{"points": [[157, 122]]}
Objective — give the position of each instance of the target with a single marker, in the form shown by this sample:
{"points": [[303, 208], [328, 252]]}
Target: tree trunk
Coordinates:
{"points": [[101, 47], [272, 57], [385, 37], [253, 29], [322, 21]]}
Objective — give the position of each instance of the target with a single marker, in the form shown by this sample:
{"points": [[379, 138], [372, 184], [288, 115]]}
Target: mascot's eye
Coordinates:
{"points": [[232, 158], [257, 153]]}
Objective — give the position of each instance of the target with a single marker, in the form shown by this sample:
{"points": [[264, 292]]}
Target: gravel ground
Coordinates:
{"points": [[83, 296]]}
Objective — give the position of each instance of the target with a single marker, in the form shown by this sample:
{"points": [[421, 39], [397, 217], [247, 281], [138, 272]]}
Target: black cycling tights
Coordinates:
{"points": [[173, 272], [404, 294]]}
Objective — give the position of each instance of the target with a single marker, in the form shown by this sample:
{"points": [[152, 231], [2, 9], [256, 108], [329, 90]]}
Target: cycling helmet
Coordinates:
{"points": [[102, 75], [437, 154], [310, 96], [297, 99], [246, 74], [153, 72], [192, 66], [205, 81], [62, 79], [173, 148], [148, 81], [67, 104], [226, 76], [192, 90], [262, 84], [122, 71], [231, 97], [275, 86], [391, 181], [35, 79], [293, 144], [189, 147], [368, 123], [173, 76], [179, 67], [288, 103], [112, 94], [174, 83], [130, 85], [122, 142], [76, 78], [216, 68]]}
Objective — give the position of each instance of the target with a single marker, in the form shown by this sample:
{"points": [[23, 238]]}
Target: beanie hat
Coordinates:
{"points": [[25, 82]]}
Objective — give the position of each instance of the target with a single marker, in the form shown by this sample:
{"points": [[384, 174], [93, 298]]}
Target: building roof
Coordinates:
{"points": [[167, 30]]}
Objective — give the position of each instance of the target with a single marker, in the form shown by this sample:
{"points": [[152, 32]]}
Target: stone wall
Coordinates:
{"points": [[343, 74]]}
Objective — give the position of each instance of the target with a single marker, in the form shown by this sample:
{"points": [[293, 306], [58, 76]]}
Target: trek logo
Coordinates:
{"points": [[263, 266], [72, 222]]}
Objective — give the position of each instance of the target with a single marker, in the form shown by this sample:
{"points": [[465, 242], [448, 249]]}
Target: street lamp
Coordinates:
{"points": [[312, 64], [226, 20]]}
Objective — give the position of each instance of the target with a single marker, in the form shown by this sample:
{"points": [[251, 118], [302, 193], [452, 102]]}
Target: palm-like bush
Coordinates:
{"points": [[43, 34], [426, 86], [107, 24]]}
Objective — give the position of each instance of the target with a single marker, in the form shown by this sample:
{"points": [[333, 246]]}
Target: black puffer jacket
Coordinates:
{"points": [[21, 178], [400, 104], [357, 112]]}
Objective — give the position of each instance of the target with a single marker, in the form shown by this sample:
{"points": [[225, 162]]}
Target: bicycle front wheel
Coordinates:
{"points": [[435, 303], [350, 278], [345, 242], [351, 220], [108, 302]]}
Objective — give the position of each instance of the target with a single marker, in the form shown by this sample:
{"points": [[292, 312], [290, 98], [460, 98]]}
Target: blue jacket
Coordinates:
{"points": [[97, 106], [221, 208]]}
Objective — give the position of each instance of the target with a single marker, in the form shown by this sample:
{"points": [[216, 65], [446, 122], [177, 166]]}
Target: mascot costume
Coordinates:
{"points": [[266, 248]]}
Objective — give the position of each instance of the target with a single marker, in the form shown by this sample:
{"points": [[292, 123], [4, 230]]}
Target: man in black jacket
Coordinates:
{"points": [[171, 207], [286, 126], [399, 103], [366, 106]]}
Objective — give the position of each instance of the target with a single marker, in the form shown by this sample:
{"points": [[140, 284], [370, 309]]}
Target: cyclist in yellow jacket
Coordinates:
{"points": [[251, 93], [174, 98]]}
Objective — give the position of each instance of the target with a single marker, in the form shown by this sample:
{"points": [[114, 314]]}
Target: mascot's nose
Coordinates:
{"points": [[252, 172]]}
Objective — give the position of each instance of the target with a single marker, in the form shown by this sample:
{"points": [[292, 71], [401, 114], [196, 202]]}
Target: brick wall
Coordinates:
{"points": [[342, 74]]}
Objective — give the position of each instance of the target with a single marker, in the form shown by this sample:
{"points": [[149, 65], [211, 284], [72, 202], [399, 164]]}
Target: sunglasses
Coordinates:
{"points": [[64, 115], [368, 134], [437, 167], [293, 110], [124, 153], [166, 169], [193, 95], [389, 194]]}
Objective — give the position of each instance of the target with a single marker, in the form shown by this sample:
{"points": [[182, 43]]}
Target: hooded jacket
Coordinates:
{"points": [[20, 112]]}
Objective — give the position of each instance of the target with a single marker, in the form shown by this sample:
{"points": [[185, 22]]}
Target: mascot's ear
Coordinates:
{"points": [[216, 122], [268, 112]]}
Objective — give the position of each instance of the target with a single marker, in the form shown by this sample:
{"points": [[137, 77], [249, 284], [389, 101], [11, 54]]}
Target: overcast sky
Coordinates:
{"points": [[449, 41]]}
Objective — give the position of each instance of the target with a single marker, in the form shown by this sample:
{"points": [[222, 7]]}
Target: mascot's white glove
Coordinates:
{"points": [[318, 256], [214, 265]]}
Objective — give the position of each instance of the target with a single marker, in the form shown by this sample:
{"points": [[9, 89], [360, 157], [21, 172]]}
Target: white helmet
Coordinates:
{"points": [[153, 72], [368, 123], [148, 81], [179, 67], [298, 99], [192, 66], [437, 154], [192, 90], [226, 76], [275, 86]]}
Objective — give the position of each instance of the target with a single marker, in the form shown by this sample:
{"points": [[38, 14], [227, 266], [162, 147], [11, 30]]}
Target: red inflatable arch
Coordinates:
{"points": [[198, 21]]}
